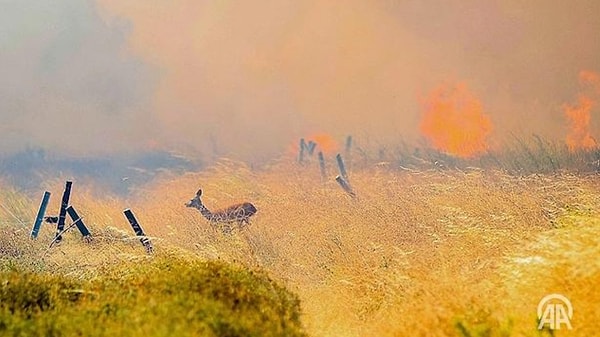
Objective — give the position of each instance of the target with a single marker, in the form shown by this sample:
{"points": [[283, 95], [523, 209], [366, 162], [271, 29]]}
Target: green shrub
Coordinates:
{"points": [[158, 298]]}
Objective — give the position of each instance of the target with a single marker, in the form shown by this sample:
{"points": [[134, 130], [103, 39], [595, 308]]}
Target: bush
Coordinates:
{"points": [[163, 297]]}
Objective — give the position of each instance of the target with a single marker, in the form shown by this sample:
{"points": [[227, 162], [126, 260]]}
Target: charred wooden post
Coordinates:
{"points": [[348, 151], [345, 186], [40, 215], [301, 150], [63, 210], [322, 166], [78, 221], [308, 148], [138, 230], [341, 166], [348, 145], [311, 147]]}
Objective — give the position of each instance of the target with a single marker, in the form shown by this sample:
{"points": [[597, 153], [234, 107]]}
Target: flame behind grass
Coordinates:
{"points": [[579, 116], [454, 122]]}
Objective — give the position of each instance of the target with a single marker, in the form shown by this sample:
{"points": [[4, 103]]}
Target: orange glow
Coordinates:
{"points": [[453, 121], [579, 137], [590, 77], [579, 116], [325, 143]]}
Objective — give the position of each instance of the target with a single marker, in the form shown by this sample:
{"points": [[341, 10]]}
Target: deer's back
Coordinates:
{"points": [[236, 212]]}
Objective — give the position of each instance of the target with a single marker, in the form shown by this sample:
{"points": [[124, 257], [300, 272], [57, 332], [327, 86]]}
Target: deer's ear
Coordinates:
{"points": [[199, 193]]}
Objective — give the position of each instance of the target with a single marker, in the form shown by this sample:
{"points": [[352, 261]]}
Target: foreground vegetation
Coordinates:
{"points": [[159, 297], [420, 252]]}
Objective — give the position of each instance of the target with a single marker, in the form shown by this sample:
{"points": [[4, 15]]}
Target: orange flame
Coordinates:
{"points": [[591, 78], [579, 137], [454, 122], [579, 117], [325, 143]]}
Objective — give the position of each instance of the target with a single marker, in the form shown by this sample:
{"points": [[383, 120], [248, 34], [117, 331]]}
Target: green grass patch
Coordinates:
{"points": [[159, 297]]}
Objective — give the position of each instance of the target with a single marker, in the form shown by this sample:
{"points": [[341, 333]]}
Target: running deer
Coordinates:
{"points": [[239, 213]]}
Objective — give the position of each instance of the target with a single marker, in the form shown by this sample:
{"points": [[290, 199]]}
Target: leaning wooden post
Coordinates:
{"points": [[40, 215], [348, 151], [322, 166], [63, 210], [78, 221], [341, 167], [345, 186], [138, 230], [311, 147], [301, 151], [348, 145]]}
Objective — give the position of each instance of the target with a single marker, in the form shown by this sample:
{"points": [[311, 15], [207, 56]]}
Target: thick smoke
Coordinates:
{"points": [[247, 78], [67, 83]]}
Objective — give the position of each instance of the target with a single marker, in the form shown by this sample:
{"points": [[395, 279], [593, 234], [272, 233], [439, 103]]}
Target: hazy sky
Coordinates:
{"points": [[246, 78]]}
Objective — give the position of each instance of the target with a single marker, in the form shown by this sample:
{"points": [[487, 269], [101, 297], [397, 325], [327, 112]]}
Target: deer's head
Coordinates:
{"points": [[195, 202]]}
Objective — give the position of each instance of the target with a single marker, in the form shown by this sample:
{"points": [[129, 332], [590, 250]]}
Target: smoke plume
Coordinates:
{"points": [[67, 84], [247, 78]]}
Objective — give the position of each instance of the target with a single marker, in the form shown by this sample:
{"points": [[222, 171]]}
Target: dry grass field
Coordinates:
{"points": [[418, 253], [469, 132]]}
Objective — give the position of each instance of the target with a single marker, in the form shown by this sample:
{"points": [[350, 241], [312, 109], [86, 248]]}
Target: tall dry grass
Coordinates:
{"points": [[418, 253]]}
